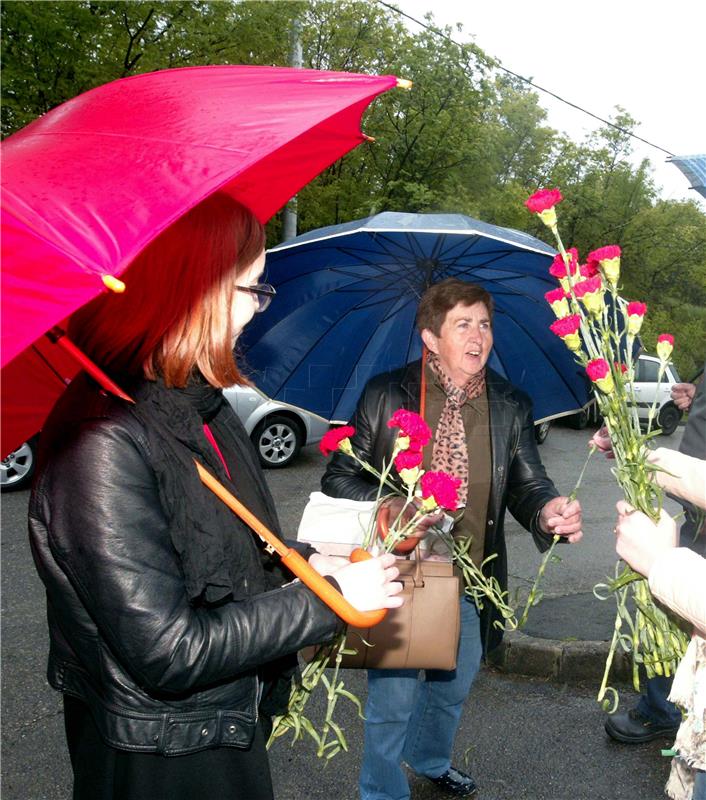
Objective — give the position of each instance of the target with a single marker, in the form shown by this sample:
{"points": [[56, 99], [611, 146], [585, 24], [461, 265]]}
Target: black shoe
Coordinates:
{"points": [[456, 783], [631, 727]]}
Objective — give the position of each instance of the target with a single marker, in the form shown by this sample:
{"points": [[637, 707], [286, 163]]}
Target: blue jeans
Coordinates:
{"points": [[414, 719], [699, 785], [653, 703]]}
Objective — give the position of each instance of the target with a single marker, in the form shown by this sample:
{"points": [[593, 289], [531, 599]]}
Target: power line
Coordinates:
{"points": [[495, 64]]}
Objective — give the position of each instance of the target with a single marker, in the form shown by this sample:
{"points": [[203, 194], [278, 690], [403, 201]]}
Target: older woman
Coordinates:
{"points": [[172, 630]]}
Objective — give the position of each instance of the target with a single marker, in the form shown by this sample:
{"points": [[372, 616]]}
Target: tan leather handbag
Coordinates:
{"points": [[422, 634]]}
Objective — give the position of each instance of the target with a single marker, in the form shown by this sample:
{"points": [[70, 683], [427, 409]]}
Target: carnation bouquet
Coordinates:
{"points": [[599, 327], [425, 496]]}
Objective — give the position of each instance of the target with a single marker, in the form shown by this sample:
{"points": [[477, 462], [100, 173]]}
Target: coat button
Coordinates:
{"points": [[232, 729], [490, 523], [204, 731]]}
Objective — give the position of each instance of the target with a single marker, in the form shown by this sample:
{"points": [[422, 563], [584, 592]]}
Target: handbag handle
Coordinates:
{"points": [[292, 559], [382, 521]]}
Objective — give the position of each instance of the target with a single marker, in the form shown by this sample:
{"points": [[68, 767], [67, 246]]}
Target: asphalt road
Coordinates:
{"points": [[522, 739]]}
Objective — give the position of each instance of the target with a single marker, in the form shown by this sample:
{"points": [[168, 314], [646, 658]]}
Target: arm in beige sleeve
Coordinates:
{"points": [[678, 579], [681, 475]]}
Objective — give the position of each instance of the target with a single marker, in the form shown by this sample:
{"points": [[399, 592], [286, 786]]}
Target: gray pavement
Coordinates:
{"points": [[525, 738]]}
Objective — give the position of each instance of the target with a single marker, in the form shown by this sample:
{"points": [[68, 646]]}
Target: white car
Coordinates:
{"points": [[277, 430], [649, 392], [666, 415]]}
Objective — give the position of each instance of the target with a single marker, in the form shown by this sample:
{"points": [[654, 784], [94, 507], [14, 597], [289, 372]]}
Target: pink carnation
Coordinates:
{"points": [[636, 308], [543, 199], [412, 425], [666, 337], [605, 253], [442, 487], [558, 267], [555, 295], [587, 286], [597, 369], [589, 269], [333, 438], [566, 326], [408, 459]]}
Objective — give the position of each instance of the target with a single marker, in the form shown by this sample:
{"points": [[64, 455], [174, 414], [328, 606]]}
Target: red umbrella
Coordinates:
{"points": [[87, 186]]}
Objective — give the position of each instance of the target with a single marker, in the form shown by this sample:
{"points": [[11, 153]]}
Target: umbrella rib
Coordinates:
{"points": [[49, 365]]}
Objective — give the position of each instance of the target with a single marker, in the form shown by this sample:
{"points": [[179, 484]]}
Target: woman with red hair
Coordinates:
{"points": [[173, 633]]}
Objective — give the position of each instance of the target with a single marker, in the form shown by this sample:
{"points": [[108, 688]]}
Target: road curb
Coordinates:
{"points": [[558, 660]]}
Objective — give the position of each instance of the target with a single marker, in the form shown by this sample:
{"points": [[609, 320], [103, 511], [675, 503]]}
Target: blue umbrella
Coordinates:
{"points": [[347, 297]]}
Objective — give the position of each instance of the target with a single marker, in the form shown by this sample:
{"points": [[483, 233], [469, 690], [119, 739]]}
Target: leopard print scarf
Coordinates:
{"points": [[450, 451]]}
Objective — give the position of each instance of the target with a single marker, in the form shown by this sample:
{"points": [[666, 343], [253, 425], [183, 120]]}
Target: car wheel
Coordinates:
{"points": [[18, 467], [277, 441], [669, 418], [541, 431], [579, 420]]}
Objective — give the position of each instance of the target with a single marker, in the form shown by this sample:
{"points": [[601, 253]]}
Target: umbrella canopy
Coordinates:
{"points": [[87, 186], [694, 167], [347, 298]]}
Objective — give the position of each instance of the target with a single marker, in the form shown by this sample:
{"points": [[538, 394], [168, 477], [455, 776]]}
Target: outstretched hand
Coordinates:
{"points": [[563, 517], [602, 442]]}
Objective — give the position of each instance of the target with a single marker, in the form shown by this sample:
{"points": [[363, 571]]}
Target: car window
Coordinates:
{"points": [[647, 371], [675, 374]]}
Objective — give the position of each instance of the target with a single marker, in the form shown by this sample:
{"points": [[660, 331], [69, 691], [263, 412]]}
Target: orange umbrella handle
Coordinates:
{"points": [[294, 560]]}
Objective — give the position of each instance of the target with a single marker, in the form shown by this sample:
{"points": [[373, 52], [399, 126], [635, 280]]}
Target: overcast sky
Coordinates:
{"points": [[643, 56]]}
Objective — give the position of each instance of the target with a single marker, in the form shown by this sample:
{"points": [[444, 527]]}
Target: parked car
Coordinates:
{"points": [[648, 391], [277, 430], [645, 387], [541, 430]]}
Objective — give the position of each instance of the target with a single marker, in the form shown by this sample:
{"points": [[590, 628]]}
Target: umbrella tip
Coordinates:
{"points": [[368, 138], [403, 83], [114, 284]]}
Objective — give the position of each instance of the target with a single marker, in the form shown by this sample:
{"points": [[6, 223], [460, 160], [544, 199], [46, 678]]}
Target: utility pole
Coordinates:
{"points": [[289, 216]]}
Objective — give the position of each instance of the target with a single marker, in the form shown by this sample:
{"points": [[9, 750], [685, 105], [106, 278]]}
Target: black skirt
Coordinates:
{"points": [[102, 772]]}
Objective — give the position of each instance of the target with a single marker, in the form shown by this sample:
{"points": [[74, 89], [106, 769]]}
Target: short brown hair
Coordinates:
{"points": [[440, 298], [175, 314]]}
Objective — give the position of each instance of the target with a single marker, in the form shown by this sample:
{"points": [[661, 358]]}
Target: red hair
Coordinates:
{"points": [[175, 314]]}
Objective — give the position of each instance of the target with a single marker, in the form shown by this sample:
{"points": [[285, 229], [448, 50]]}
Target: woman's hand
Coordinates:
{"points": [[396, 504], [371, 584], [639, 541], [327, 565], [601, 440]]}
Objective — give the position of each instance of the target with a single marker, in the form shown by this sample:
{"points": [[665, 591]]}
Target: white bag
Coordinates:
{"points": [[334, 525]]}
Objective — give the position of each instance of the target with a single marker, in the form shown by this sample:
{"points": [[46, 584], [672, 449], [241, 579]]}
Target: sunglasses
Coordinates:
{"points": [[263, 294]]}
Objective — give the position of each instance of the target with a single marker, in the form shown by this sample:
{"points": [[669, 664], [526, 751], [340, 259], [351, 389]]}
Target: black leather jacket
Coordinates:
{"points": [[518, 479], [159, 674]]}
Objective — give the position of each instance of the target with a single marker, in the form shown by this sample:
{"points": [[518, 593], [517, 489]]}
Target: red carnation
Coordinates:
{"points": [[597, 369], [666, 337], [412, 425], [605, 253], [589, 269], [543, 199], [332, 439], [555, 296], [587, 286], [558, 266], [637, 308], [442, 488], [620, 367], [408, 459], [566, 326]]}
